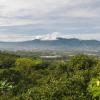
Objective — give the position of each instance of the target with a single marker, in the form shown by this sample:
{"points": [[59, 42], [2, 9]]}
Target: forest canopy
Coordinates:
{"points": [[29, 78]]}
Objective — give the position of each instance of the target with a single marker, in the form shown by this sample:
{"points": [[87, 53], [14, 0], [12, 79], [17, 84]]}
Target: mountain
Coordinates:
{"points": [[59, 44]]}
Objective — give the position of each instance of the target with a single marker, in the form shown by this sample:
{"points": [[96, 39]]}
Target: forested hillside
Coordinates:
{"points": [[29, 78]]}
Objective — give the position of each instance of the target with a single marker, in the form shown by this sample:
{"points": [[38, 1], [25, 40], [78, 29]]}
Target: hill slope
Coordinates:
{"points": [[60, 44]]}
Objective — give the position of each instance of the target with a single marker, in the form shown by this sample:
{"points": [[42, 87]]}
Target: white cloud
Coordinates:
{"points": [[50, 36], [73, 15], [35, 8], [29, 7], [41, 9], [15, 22]]}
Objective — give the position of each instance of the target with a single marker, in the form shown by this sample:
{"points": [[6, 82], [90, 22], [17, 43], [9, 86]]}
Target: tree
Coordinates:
{"points": [[24, 65], [27, 64], [5, 87], [81, 62], [94, 88]]}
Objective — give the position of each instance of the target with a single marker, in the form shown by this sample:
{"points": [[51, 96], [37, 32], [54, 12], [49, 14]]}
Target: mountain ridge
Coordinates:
{"points": [[58, 38], [60, 44]]}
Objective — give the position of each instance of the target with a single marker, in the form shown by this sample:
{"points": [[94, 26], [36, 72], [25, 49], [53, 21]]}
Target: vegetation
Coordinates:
{"points": [[31, 78]]}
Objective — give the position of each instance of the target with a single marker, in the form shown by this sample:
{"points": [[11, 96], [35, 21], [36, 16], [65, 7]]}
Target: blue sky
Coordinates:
{"points": [[26, 19]]}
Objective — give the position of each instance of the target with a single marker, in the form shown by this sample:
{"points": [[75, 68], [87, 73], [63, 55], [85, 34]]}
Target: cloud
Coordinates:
{"points": [[21, 18], [49, 36], [12, 10]]}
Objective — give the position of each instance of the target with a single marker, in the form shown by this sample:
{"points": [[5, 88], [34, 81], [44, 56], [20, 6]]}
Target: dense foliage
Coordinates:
{"points": [[29, 78]]}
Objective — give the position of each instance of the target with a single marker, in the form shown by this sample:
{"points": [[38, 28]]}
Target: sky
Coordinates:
{"points": [[22, 20]]}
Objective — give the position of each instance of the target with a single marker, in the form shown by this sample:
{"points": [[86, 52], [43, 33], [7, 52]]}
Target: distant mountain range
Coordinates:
{"points": [[60, 44]]}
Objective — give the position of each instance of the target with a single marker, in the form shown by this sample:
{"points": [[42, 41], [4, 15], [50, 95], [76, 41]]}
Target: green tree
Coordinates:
{"points": [[82, 62], [24, 65], [94, 88], [5, 87]]}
